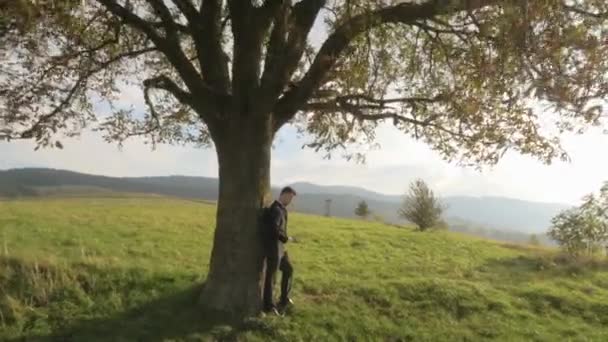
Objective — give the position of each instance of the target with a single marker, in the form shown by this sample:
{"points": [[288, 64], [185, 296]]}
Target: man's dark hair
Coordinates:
{"points": [[288, 190]]}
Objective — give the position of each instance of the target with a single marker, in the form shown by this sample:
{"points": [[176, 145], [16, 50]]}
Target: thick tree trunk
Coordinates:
{"points": [[235, 279]]}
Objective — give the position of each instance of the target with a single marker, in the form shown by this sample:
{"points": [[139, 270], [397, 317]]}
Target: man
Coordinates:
{"points": [[275, 236]]}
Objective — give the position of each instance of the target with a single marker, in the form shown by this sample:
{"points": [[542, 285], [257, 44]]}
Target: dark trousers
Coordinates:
{"points": [[275, 261]]}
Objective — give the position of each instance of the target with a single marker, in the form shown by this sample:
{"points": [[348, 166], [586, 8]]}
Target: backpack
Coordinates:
{"points": [[264, 222]]}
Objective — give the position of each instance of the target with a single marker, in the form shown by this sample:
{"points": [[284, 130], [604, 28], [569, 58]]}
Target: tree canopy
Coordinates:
{"points": [[472, 78]]}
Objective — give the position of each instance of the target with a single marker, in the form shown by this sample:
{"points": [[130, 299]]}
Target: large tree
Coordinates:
{"points": [[472, 78]]}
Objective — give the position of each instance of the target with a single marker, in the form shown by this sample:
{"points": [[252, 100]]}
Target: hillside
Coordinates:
{"points": [[28, 181], [497, 217], [123, 270]]}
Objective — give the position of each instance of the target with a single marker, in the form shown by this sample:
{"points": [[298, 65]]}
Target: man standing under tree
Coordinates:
{"points": [[275, 236]]}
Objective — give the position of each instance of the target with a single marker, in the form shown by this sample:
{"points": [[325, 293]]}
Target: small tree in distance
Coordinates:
{"points": [[420, 206], [534, 240], [362, 210]]}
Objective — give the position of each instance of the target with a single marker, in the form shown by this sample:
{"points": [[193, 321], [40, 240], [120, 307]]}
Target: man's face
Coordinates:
{"points": [[286, 198]]}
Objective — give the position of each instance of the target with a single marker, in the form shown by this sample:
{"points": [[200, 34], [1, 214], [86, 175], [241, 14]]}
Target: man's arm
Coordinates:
{"points": [[277, 228]]}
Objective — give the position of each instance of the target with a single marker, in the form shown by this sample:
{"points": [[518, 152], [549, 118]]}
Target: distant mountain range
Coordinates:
{"points": [[494, 217], [496, 212]]}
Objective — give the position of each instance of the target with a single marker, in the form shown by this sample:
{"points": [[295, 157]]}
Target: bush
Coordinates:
{"points": [[583, 230]]}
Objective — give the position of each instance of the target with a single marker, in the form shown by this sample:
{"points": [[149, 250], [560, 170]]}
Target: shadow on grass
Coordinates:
{"points": [[164, 318], [175, 314]]}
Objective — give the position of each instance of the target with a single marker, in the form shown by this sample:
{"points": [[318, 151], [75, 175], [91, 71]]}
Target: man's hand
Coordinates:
{"points": [[292, 239]]}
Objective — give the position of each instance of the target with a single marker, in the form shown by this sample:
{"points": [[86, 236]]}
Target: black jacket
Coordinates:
{"points": [[276, 223]]}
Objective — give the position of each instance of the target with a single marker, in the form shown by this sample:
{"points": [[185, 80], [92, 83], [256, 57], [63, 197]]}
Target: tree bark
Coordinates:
{"points": [[236, 271]]}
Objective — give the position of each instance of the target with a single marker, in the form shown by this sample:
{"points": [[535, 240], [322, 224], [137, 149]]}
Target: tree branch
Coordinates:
{"points": [[286, 48], [248, 31], [383, 102], [574, 9], [269, 10], [165, 83], [275, 53], [188, 10], [180, 27], [208, 106], [132, 19], [206, 28], [358, 111], [208, 40], [463, 34], [30, 132], [81, 82], [165, 15], [240, 10], [336, 43]]}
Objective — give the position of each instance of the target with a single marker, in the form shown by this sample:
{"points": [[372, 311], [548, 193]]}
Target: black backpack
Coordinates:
{"points": [[264, 222]]}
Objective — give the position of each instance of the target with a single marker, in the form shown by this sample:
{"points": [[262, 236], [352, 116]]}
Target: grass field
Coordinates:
{"points": [[124, 269]]}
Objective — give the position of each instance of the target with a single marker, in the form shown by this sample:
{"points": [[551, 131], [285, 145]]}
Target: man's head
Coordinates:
{"points": [[287, 194]]}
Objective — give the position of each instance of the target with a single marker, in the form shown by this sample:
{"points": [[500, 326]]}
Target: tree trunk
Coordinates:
{"points": [[236, 271]]}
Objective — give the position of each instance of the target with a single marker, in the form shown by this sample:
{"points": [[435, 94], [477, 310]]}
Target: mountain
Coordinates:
{"points": [[504, 213], [17, 182], [497, 212], [495, 216], [309, 188]]}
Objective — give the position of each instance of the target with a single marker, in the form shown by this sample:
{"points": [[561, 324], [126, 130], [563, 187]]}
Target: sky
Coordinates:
{"points": [[388, 170]]}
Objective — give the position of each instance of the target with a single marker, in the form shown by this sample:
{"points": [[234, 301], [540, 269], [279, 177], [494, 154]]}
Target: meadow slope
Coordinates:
{"points": [[128, 269]]}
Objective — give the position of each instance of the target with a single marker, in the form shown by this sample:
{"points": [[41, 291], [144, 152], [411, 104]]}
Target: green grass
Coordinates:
{"points": [[126, 269]]}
